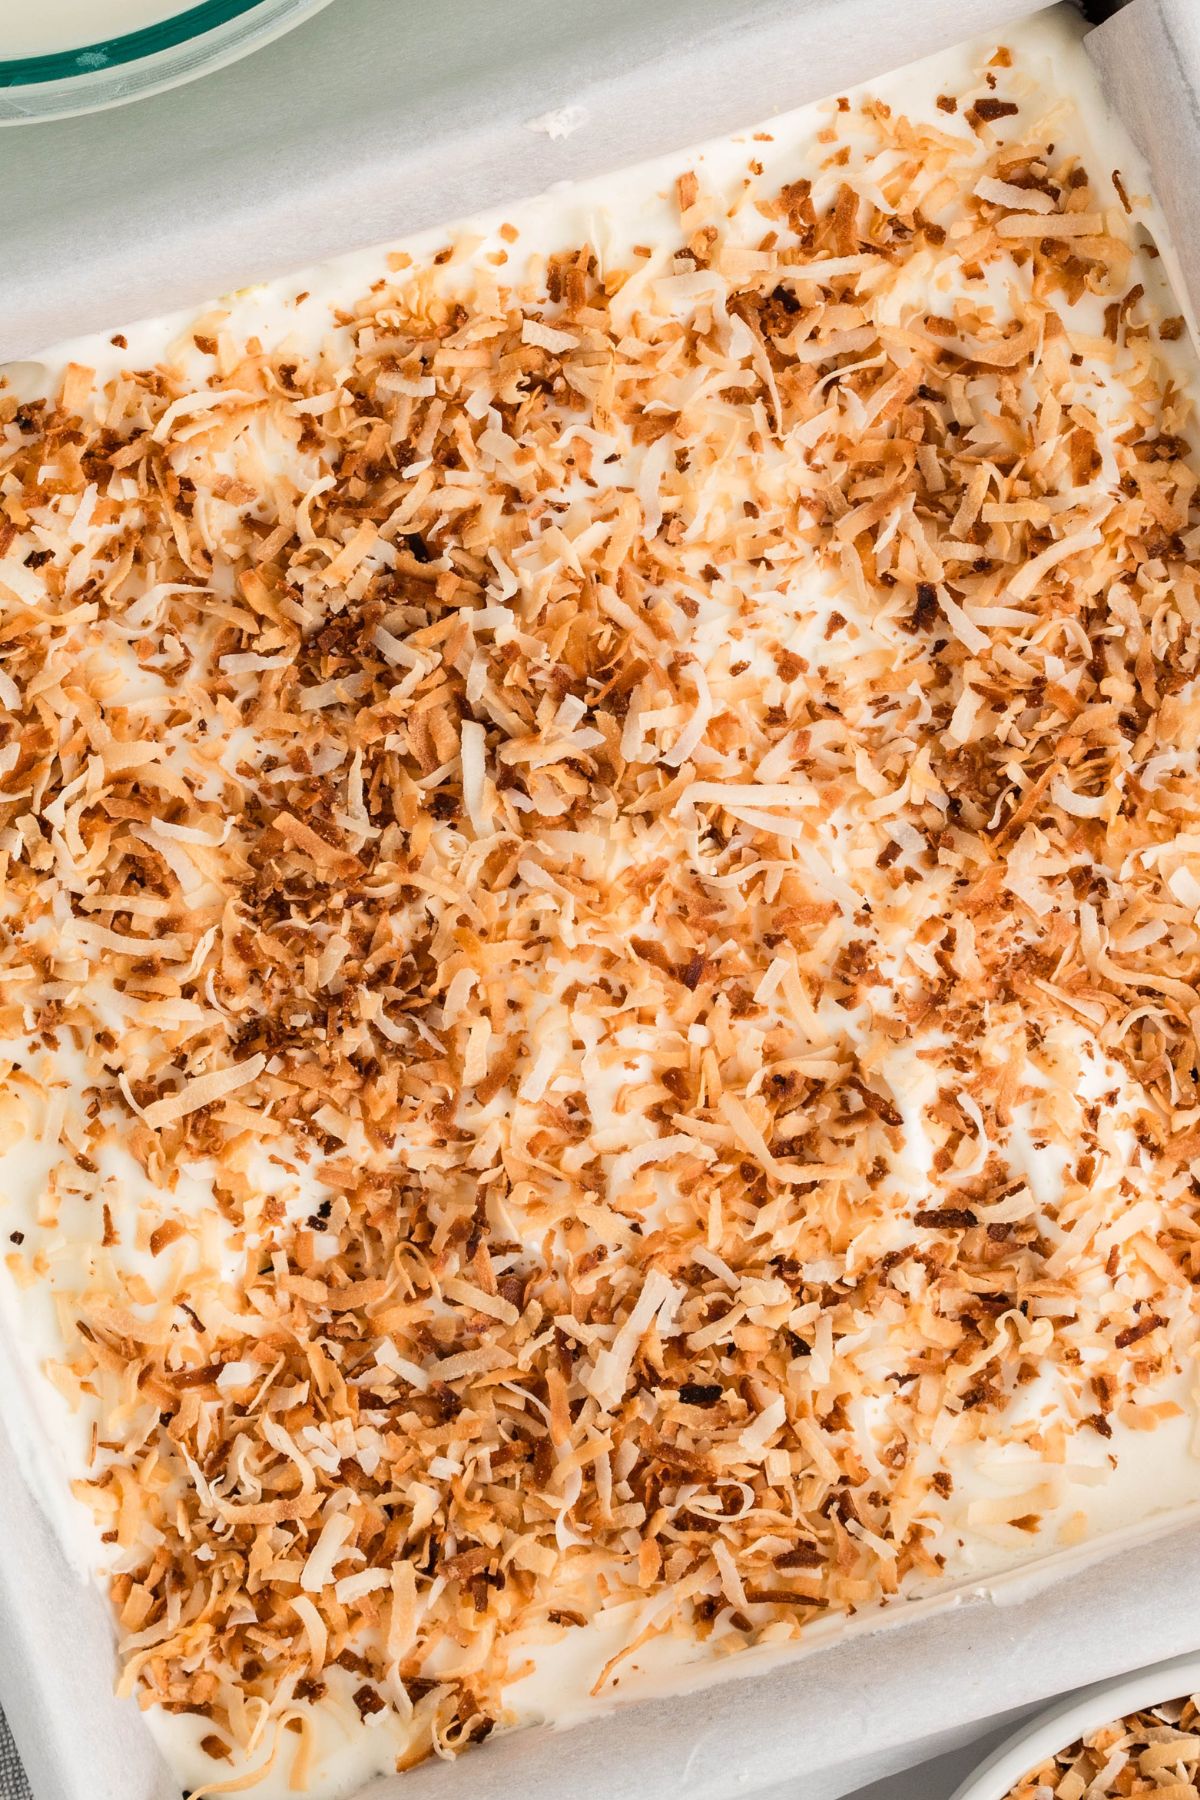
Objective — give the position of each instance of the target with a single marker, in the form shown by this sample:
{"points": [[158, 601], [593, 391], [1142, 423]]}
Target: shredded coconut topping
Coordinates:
{"points": [[632, 824], [1153, 1752]]}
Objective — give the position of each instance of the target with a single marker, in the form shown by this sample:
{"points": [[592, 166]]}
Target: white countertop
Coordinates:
{"points": [[936, 1780], [939, 1778]]}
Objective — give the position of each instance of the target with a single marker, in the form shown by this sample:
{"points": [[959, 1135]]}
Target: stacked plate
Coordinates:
{"points": [[59, 57]]}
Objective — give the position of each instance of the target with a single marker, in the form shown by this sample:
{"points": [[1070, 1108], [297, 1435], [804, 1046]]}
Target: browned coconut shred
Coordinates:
{"points": [[542, 807]]}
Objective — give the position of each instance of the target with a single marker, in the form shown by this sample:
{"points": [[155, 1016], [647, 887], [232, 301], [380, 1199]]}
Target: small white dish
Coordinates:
{"points": [[1076, 1717]]}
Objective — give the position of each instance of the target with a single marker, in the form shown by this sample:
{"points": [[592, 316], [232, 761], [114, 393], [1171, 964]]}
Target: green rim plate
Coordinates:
{"points": [[110, 53]]}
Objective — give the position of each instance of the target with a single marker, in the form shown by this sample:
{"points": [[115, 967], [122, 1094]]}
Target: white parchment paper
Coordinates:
{"points": [[1149, 58], [382, 117]]}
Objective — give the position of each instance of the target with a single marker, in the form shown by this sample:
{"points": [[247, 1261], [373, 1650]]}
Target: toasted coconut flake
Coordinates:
{"points": [[1005, 193], [203, 1091], [315, 1630], [533, 331], [1027, 578], [474, 775], [323, 1558], [1055, 225]]}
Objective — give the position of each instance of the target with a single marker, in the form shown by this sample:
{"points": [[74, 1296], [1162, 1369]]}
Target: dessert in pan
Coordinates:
{"points": [[599, 928]]}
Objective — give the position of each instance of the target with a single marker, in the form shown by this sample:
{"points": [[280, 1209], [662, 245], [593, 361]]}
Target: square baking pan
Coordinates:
{"points": [[358, 130]]}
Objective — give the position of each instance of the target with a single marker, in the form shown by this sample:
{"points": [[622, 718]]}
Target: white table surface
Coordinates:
{"points": [[935, 1780], [938, 1778]]}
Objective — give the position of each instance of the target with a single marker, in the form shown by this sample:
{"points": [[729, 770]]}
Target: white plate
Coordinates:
{"points": [[1076, 1717], [90, 77]]}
